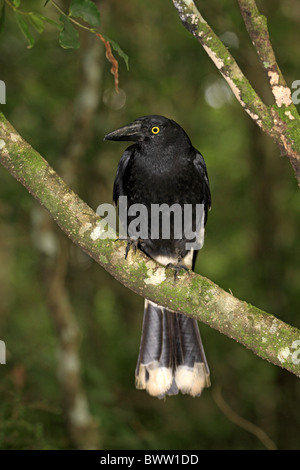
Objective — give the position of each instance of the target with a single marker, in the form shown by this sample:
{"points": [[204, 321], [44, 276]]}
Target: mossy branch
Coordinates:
{"points": [[281, 120], [192, 294], [256, 25]]}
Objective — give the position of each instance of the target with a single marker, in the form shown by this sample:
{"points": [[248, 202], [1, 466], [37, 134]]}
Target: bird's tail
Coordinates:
{"points": [[171, 356]]}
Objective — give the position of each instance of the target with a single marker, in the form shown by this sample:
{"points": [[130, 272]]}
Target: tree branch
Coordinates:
{"points": [[256, 25], [281, 120], [192, 294], [224, 61]]}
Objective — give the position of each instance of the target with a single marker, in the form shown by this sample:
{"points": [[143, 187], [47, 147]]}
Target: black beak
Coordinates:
{"points": [[132, 131]]}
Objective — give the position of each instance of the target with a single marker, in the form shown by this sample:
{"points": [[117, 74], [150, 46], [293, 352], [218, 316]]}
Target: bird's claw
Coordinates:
{"points": [[177, 268], [131, 242]]}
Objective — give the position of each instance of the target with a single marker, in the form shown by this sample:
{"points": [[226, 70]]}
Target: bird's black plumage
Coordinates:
{"points": [[163, 168]]}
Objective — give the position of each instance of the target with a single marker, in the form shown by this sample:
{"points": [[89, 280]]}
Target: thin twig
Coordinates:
{"points": [[240, 421], [114, 63]]}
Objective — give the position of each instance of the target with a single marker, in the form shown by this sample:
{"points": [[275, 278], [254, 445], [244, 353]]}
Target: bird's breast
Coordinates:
{"points": [[162, 180]]}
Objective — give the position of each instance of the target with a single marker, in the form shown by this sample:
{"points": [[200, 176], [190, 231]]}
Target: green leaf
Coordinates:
{"points": [[46, 2], [37, 22], [50, 21], [69, 37], [121, 53], [17, 3], [118, 49], [25, 29], [86, 10], [2, 17]]}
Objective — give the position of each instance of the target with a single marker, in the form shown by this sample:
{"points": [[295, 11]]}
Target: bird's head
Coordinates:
{"points": [[153, 129]]}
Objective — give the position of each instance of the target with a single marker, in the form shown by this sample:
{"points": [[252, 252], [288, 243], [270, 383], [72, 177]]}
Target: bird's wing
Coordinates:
{"points": [[200, 166], [118, 184], [201, 169]]}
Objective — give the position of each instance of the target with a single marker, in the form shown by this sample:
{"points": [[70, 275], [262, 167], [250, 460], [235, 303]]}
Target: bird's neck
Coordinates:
{"points": [[164, 155]]}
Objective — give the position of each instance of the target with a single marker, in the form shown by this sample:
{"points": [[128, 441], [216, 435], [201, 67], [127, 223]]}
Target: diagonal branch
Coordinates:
{"points": [[256, 25], [192, 294], [281, 120], [224, 61]]}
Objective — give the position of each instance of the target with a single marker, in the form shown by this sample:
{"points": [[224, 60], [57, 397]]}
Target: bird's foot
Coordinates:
{"points": [[177, 268], [131, 242]]}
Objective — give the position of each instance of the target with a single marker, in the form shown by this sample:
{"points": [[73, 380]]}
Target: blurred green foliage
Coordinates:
{"points": [[251, 245]]}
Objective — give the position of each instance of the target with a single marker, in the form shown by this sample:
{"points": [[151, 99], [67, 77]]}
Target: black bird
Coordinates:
{"points": [[163, 168]]}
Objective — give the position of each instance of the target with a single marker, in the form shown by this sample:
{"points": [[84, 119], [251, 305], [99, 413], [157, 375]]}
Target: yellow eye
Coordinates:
{"points": [[155, 130]]}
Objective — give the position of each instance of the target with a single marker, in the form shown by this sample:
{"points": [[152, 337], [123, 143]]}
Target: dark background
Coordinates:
{"points": [[251, 245]]}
